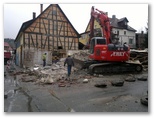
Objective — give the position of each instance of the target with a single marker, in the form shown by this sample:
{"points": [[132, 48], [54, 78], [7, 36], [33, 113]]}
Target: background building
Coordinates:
{"points": [[120, 27], [140, 39]]}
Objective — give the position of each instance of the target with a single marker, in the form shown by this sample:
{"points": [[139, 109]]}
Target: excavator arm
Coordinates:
{"points": [[104, 22]]}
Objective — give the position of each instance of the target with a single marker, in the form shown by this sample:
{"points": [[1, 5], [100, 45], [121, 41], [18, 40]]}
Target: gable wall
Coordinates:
{"points": [[50, 30]]}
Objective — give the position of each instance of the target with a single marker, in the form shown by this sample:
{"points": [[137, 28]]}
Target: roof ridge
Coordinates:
{"points": [[29, 22]]}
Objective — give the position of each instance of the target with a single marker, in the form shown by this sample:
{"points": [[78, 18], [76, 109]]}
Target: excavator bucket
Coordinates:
{"points": [[79, 64]]}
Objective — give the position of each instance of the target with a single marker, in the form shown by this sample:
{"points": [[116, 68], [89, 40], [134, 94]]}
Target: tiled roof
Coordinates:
{"points": [[6, 44], [115, 23]]}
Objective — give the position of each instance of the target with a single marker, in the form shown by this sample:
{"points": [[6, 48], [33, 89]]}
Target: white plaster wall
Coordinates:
{"points": [[125, 38]]}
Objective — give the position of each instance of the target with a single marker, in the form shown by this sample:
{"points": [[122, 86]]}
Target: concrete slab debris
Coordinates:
{"points": [[28, 79], [117, 83], [85, 81], [130, 79], [101, 85]]}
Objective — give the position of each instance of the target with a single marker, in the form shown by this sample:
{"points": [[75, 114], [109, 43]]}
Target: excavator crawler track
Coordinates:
{"points": [[95, 67], [108, 68]]}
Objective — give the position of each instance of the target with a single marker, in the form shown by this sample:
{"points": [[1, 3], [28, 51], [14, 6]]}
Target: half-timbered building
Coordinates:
{"points": [[50, 32]]}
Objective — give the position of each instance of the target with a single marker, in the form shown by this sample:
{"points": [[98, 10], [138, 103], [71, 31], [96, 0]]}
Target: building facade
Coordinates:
{"points": [[49, 32], [140, 40]]}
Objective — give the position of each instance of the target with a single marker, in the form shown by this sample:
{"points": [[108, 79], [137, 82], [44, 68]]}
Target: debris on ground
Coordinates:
{"points": [[117, 82], [85, 81], [101, 85], [47, 80], [56, 73], [141, 55], [142, 78], [81, 55], [144, 100], [130, 78], [28, 79], [47, 74], [62, 85]]}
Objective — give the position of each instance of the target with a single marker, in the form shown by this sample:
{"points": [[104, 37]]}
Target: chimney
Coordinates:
{"points": [[41, 8], [34, 15], [113, 16], [142, 32]]}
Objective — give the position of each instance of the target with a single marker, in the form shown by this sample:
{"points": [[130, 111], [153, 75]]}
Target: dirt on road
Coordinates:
{"points": [[24, 93]]}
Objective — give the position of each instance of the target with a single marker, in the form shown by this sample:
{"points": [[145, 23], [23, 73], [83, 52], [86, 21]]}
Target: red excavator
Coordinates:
{"points": [[107, 55]]}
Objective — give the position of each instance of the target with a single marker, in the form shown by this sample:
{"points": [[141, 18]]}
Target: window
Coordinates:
{"points": [[117, 32], [92, 45], [60, 47], [101, 41], [125, 23], [130, 41], [124, 32], [95, 26], [55, 27], [83, 36], [54, 12]]}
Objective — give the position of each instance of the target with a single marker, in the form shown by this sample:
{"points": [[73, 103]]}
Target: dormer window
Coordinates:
{"points": [[125, 23]]}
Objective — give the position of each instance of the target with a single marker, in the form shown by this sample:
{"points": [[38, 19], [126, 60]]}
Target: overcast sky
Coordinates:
{"points": [[13, 17], [78, 14]]}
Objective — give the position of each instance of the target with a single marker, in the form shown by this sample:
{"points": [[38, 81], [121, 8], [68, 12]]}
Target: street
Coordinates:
{"points": [[76, 96], [53, 62]]}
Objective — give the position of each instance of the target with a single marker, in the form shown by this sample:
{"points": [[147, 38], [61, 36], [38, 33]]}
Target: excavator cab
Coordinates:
{"points": [[96, 41], [101, 51]]}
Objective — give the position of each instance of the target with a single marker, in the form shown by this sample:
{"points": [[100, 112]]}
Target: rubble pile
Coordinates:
{"points": [[45, 75], [82, 55], [28, 78], [57, 73], [141, 55], [52, 74], [45, 80]]}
